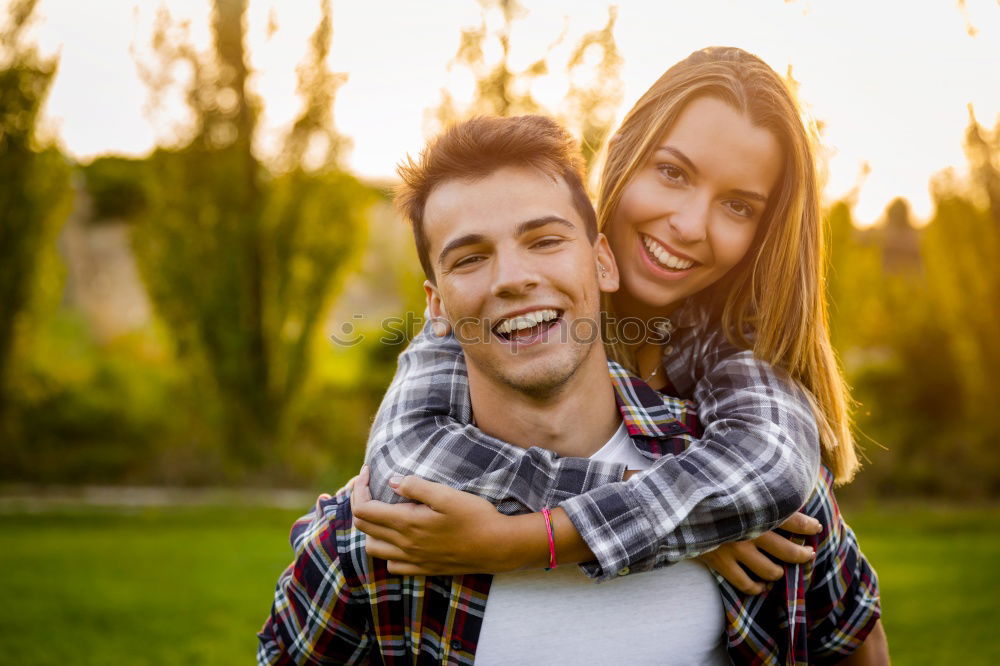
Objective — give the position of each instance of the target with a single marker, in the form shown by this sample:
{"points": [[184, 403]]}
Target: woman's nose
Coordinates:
{"points": [[690, 221]]}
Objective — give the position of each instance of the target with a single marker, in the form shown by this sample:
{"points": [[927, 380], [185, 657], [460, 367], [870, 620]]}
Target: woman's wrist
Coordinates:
{"points": [[526, 541]]}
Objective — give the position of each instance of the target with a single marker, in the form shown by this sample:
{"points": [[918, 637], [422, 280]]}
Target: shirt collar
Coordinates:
{"points": [[646, 412]]}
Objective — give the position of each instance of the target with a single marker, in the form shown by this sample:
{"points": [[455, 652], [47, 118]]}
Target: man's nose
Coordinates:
{"points": [[513, 274], [689, 222]]}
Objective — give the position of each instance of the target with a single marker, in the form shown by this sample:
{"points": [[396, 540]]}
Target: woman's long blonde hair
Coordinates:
{"points": [[777, 291]]}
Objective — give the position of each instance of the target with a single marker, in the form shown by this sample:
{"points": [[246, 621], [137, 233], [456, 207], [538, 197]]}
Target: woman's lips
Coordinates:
{"points": [[658, 268]]}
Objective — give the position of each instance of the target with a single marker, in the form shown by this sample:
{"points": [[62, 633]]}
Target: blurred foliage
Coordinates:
{"points": [[241, 264], [916, 318], [593, 68], [244, 259], [34, 183], [115, 185]]}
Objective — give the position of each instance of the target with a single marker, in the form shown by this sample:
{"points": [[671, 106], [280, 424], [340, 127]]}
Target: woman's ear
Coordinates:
{"points": [[607, 268], [440, 325]]}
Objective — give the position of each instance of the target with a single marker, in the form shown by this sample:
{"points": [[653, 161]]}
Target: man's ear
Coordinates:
{"points": [[440, 325], [607, 268]]}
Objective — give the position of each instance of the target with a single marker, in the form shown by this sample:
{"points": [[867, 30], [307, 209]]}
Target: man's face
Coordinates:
{"points": [[517, 278]]}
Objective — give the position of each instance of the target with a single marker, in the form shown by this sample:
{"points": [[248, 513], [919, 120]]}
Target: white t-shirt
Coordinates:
{"points": [[672, 615]]}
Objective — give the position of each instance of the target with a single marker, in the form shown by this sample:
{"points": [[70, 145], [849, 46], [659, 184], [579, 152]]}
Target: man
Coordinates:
{"points": [[519, 269]]}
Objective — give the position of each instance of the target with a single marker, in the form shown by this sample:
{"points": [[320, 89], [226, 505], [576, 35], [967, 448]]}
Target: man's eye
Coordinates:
{"points": [[672, 173], [546, 242], [468, 261]]}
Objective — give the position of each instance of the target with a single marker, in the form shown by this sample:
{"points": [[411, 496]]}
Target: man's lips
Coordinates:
{"points": [[525, 323]]}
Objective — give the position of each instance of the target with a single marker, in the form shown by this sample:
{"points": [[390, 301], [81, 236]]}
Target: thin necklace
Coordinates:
{"points": [[664, 328]]}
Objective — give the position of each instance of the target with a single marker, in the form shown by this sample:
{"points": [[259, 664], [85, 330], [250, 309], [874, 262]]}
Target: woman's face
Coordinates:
{"points": [[690, 213]]}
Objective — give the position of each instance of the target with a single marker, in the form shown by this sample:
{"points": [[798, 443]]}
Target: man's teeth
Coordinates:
{"points": [[526, 320], [664, 257]]}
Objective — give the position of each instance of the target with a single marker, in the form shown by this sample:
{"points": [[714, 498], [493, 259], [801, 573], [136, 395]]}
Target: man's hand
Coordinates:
{"points": [[726, 559], [447, 532]]}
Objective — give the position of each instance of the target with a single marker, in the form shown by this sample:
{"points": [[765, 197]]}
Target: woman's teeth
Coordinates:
{"points": [[664, 258], [526, 320]]}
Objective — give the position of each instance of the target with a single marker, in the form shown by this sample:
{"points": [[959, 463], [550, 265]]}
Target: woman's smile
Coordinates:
{"points": [[690, 213]]}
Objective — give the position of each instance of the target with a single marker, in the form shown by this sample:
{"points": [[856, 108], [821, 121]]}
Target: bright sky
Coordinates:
{"points": [[890, 79]]}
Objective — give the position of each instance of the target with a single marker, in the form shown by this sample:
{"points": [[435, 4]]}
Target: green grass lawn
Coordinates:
{"points": [[938, 583], [193, 585]]}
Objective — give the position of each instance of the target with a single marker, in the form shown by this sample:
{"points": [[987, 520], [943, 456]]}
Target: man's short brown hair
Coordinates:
{"points": [[478, 147]]}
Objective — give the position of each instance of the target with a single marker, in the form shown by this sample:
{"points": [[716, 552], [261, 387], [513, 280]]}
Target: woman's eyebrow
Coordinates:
{"points": [[681, 156], [757, 196], [750, 195]]}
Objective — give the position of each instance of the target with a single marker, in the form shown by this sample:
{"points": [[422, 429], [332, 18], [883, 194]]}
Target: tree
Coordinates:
{"points": [[593, 100], [500, 91], [594, 94], [241, 263], [34, 179]]}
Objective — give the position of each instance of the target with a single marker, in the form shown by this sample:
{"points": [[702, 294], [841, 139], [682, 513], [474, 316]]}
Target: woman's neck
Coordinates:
{"points": [[645, 349]]}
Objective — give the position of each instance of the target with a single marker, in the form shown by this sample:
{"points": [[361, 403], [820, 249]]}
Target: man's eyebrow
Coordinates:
{"points": [[461, 241], [522, 228], [531, 225], [757, 196]]}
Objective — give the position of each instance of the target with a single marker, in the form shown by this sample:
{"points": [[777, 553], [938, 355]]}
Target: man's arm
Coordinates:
{"points": [[842, 595], [873, 652], [319, 614]]}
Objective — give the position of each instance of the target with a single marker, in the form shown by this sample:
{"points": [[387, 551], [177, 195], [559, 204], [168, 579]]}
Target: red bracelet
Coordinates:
{"points": [[547, 515]]}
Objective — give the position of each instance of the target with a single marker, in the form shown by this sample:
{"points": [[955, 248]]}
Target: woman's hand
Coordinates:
{"points": [[448, 532], [727, 558]]}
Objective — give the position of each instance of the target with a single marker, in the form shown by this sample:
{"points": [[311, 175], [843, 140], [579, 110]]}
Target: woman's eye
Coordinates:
{"points": [[672, 173], [741, 208]]}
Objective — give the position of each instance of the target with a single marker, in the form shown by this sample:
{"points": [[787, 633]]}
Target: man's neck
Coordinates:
{"points": [[575, 420]]}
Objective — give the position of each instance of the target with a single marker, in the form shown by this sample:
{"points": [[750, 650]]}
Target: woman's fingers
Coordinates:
{"points": [[380, 532], [800, 523], [400, 568], [360, 492], [385, 550], [784, 549], [725, 564], [421, 490], [399, 516], [759, 563]]}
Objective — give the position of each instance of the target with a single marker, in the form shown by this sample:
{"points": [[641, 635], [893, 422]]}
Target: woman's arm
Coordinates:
{"points": [[423, 427], [743, 477], [754, 465]]}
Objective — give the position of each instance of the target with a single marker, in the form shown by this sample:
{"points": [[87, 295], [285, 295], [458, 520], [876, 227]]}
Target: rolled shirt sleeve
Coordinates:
{"points": [[753, 466]]}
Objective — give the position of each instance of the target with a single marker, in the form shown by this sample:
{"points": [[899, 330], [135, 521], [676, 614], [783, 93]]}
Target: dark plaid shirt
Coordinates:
{"points": [[336, 605]]}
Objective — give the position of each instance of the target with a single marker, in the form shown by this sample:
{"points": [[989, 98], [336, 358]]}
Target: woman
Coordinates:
{"points": [[710, 202]]}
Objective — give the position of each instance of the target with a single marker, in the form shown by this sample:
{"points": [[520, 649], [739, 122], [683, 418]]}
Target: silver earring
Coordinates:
{"points": [[604, 272]]}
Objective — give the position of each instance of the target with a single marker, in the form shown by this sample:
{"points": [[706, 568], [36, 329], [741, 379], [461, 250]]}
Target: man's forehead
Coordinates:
{"points": [[496, 205]]}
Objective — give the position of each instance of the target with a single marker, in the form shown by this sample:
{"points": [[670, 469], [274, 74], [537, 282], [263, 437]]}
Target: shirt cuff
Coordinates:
{"points": [[612, 522]]}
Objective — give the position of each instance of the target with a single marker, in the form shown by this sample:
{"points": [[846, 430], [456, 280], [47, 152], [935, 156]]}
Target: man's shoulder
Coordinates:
{"points": [[327, 535]]}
